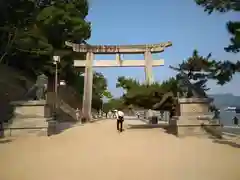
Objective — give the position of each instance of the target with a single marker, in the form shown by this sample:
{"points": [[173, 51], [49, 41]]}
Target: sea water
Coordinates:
{"points": [[226, 118]]}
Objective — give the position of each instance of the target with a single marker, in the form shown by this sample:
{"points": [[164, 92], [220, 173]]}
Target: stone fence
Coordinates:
{"points": [[147, 114]]}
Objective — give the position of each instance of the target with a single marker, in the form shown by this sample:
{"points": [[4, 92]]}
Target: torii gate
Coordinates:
{"points": [[90, 50]]}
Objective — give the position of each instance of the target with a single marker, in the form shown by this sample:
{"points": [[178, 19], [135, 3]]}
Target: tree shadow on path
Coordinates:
{"points": [[227, 142]]}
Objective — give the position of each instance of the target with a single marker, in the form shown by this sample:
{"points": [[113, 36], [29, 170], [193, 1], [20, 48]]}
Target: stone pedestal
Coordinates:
{"points": [[194, 106], [28, 118], [29, 109], [189, 122]]}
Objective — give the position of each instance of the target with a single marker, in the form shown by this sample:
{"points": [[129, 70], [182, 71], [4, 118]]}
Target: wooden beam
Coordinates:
{"points": [[114, 63]]}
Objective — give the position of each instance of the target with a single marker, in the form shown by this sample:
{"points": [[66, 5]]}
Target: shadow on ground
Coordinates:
{"points": [[6, 112], [215, 138], [59, 127], [62, 126], [145, 126], [64, 121], [172, 130], [5, 141], [227, 142]]}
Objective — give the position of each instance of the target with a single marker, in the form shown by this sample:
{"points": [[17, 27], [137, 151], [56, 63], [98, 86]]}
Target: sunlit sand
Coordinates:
{"points": [[97, 151]]}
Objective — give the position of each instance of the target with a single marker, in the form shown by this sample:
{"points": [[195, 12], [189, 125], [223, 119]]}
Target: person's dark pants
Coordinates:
{"points": [[120, 123], [1, 130]]}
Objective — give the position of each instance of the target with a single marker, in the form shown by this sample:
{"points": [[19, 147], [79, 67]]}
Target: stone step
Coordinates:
{"points": [[26, 127], [25, 132], [192, 131], [28, 122], [24, 116]]}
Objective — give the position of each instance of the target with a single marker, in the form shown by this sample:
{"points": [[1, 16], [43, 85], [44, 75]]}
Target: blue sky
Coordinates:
{"points": [[153, 21]]}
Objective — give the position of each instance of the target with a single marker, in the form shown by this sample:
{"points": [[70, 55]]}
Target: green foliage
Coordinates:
{"points": [[219, 5], [194, 67], [145, 96], [232, 27], [100, 85], [107, 94], [206, 68], [126, 84], [199, 69], [97, 102], [16, 17], [32, 31], [234, 30], [35, 30], [99, 90], [64, 21], [113, 104]]}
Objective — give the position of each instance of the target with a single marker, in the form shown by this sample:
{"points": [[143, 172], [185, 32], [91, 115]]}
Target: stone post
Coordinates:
{"points": [[148, 67], [88, 82]]}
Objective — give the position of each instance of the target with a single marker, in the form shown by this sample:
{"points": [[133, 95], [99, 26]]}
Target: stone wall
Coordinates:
{"points": [[13, 85]]}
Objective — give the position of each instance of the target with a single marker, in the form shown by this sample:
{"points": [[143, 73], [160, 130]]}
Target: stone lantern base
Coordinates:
{"points": [[194, 117]]}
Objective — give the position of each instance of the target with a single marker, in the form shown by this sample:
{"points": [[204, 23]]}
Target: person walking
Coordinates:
{"points": [[138, 115], [77, 114], [120, 119], [115, 113]]}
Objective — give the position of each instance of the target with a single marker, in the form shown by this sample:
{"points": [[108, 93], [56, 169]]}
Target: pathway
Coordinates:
{"points": [[96, 151]]}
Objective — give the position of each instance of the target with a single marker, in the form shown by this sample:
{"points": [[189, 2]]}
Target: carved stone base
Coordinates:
{"points": [[28, 118], [190, 121], [194, 106], [29, 109], [190, 126]]}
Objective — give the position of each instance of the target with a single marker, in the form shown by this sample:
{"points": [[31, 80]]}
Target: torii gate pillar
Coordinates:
{"points": [[148, 67], [88, 83]]}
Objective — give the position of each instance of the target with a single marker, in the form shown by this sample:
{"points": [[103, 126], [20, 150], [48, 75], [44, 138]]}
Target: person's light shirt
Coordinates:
{"points": [[150, 113], [120, 114]]}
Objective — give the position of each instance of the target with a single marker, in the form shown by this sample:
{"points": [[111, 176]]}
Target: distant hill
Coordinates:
{"points": [[225, 100]]}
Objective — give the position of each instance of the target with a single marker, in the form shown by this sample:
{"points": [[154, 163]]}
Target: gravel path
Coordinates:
{"points": [[97, 151]]}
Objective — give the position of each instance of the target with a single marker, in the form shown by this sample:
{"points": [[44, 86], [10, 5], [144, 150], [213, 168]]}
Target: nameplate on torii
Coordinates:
{"points": [[108, 49]]}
